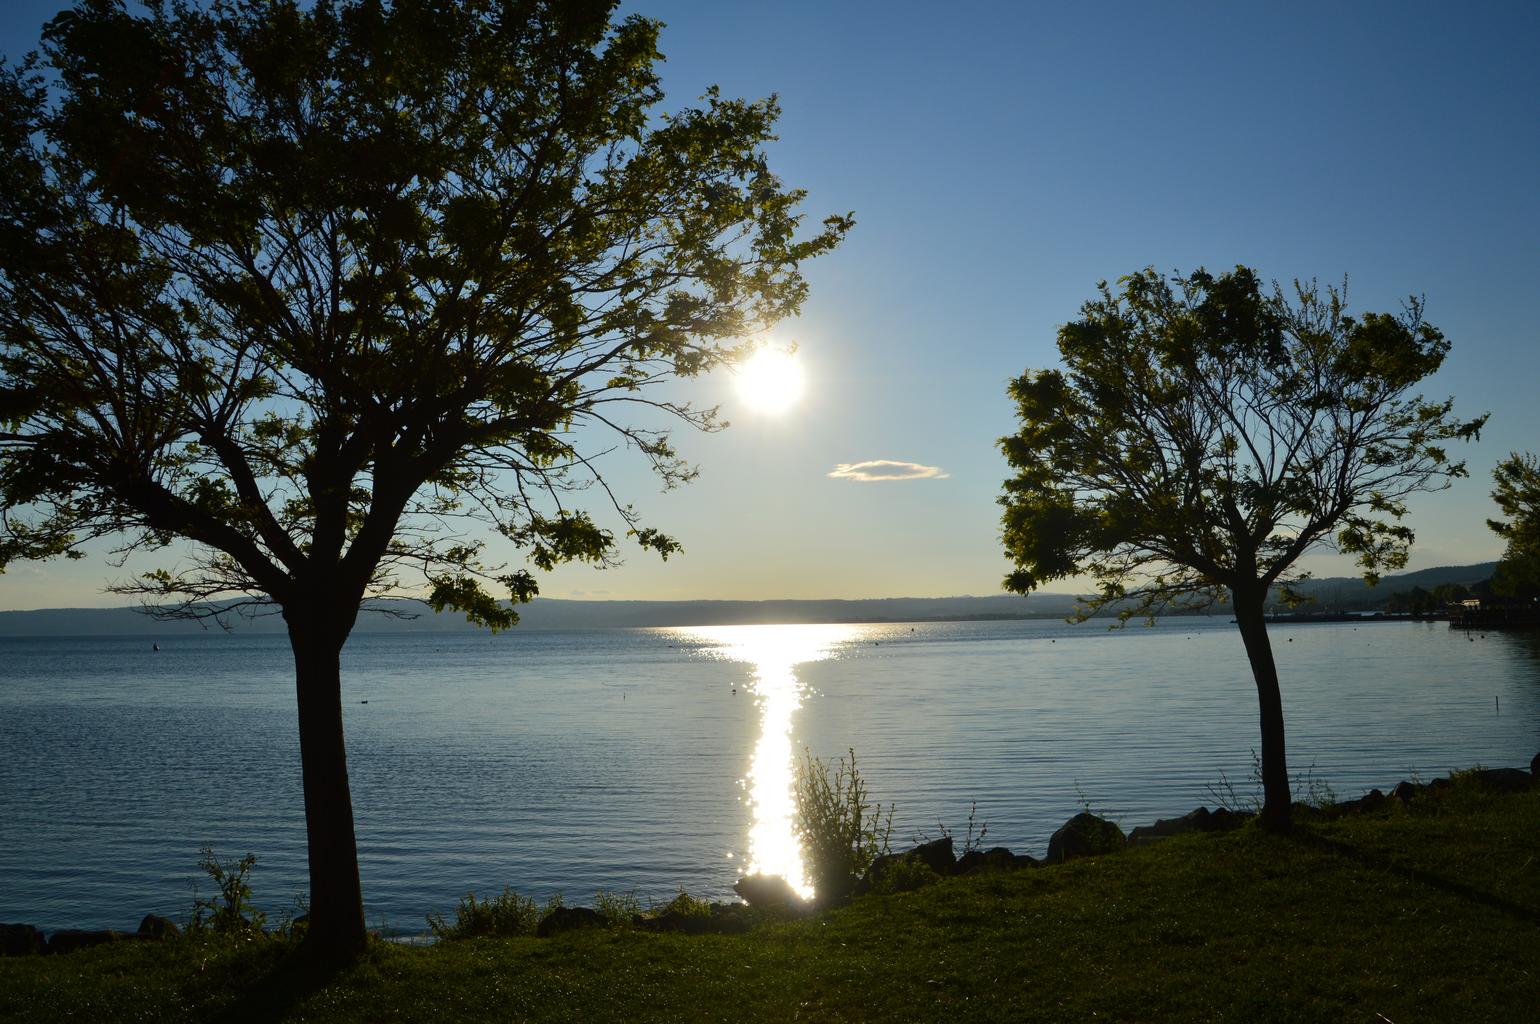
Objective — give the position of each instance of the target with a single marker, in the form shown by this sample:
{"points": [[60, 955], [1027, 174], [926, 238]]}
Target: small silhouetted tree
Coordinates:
{"points": [[1203, 434], [1518, 496], [1421, 602], [1446, 594], [334, 290]]}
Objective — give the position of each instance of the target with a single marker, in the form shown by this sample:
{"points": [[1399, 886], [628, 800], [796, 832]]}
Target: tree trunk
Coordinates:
{"points": [[1277, 803], [336, 929]]}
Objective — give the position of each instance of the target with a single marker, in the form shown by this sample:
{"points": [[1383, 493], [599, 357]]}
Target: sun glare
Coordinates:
{"points": [[770, 380], [775, 651]]}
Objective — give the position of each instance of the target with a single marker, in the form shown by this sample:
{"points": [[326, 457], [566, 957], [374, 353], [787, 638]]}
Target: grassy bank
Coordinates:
{"points": [[1427, 913]]}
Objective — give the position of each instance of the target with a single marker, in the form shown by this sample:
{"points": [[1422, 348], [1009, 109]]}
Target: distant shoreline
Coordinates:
{"points": [[1336, 596], [547, 613]]}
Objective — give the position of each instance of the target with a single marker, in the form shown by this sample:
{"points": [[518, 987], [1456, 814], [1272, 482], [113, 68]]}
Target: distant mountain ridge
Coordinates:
{"points": [[1351, 593], [551, 613], [1335, 593]]}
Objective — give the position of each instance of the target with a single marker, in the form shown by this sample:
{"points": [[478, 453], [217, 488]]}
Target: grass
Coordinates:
{"points": [[1430, 913]]}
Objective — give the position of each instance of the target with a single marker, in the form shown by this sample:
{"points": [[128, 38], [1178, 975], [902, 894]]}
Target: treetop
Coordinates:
{"points": [[320, 286], [1204, 431]]}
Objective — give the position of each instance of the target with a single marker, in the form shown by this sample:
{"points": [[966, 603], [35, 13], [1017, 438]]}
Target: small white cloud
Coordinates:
{"points": [[886, 469]]}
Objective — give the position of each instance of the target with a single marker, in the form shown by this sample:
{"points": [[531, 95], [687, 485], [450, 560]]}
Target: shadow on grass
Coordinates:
{"points": [[1451, 886], [273, 990]]}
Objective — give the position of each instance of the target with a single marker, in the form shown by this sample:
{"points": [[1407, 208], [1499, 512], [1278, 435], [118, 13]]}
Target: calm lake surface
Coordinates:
{"points": [[625, 760]]}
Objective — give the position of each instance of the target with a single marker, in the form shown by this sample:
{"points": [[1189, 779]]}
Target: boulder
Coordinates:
{"points": [[1534, 767], [1504, 780], [1084, 835], [1370, 801], [21, 940], [71, 939], [767, 891], [936, 855], [997, 858], [1196, 820], [1403, 792], [156, 927], [1223, 819], [567, 919]]}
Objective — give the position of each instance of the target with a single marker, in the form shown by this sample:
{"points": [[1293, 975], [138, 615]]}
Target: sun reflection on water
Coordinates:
{"points": [[774, 652]]}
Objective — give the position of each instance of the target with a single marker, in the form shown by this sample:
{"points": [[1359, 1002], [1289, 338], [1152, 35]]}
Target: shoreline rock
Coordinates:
{"points": [[21, 940], [1084, 835]]}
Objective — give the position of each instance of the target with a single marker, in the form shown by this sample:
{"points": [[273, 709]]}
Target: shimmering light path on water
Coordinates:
{"points": [[624, 760], [774, 653]]}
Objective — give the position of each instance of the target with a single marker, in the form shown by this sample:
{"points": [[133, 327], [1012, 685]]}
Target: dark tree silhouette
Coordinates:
{"points": [[1203, 434], [328, 288], [1518, 497]]}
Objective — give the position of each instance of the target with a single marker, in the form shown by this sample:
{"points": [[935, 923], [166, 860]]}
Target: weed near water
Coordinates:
{"points": [[617, 908], [841, 829], [230, 913], [1308, 788], [505, 915], [973, 833]]}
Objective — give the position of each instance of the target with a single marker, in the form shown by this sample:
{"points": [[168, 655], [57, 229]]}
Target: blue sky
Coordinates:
{"points": [[1003, 158]]}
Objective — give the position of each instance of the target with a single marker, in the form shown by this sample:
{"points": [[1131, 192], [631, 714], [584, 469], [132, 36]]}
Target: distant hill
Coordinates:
{"points": [[547, 613], [1351, 593], [1343, 593]]}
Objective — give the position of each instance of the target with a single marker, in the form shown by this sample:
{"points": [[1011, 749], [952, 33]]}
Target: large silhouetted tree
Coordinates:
{"points": [[327, 288], [1203, 434]]}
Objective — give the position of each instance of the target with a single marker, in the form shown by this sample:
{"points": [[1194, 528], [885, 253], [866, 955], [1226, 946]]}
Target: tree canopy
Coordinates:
{"points": [[1518, 497], [334, 289], [319, 285], [1205, 432]]}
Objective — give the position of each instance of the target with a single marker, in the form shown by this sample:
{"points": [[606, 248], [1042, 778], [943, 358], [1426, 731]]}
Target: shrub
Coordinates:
{"points": [[230, 913], [841, 830], [619, 908], [685, 905], [504, 915], [904, 875]]}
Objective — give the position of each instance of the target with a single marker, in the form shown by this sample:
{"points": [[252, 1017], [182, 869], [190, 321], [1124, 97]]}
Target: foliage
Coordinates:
{"points": [[1518, 497], [506, 914], [1223, 793], [685, 905], [1420, 601], [230, 913], [1204, 433], [294, 921], [1318, 792], [314, 285], [841, 830], [618, 908], [905, 874], [342, 293], [974, 833]]}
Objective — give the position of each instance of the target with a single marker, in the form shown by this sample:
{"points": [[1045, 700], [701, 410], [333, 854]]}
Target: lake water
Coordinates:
{"points": [[649, 760]]}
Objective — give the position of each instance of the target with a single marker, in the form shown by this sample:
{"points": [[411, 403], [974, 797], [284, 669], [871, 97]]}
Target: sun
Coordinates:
{"points": [[770, 380]]}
